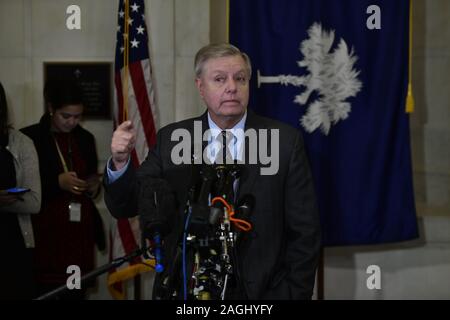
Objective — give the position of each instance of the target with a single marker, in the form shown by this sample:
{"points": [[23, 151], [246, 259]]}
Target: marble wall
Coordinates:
{"points": [[430, 123], [34, 32]]}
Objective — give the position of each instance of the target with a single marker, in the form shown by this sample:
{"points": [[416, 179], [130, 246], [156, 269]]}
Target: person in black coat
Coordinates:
{"points": [[278, 258], [69, 222]]}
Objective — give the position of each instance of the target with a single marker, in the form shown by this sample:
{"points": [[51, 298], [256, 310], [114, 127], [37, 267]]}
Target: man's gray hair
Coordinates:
{"points": [[218, 50]]}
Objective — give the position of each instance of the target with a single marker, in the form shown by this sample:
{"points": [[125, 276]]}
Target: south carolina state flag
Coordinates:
{"points": [[338, 70]]}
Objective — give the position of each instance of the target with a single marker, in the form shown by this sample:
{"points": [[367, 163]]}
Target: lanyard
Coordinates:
{"points": [[63, 161]]}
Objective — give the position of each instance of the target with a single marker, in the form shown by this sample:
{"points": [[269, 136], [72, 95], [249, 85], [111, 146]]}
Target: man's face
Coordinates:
{"points": [[224, 86]]}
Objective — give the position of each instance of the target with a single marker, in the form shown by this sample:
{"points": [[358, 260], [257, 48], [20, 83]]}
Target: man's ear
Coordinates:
{"points": [[199, 85]]}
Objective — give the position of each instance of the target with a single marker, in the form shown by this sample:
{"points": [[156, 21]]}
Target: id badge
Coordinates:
{"points": [[75, 212]]}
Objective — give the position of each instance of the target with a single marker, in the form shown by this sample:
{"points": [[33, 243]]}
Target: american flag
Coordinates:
{"points": [[135, 101]]}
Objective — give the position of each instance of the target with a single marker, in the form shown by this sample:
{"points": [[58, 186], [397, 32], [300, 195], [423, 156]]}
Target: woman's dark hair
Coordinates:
{"points": [[58, 94], [4, 125]]}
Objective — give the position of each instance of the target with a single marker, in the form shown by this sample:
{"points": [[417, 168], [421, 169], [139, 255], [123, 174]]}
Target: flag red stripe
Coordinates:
{"points": [[134, 158], [143, 102]]}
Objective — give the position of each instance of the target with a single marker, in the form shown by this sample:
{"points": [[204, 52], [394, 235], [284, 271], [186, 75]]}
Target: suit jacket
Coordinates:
{"points": [[278, 259]]}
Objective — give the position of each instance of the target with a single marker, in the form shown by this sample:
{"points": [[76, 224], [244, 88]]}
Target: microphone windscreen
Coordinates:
{"points": [[156, 206], [245, 206]]}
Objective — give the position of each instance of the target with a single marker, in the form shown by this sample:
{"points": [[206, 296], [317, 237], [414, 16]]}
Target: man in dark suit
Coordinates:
{"points": [[279, 257]]}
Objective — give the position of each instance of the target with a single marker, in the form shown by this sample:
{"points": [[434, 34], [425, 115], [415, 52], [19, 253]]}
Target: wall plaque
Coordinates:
{"points": [[94, 79]]}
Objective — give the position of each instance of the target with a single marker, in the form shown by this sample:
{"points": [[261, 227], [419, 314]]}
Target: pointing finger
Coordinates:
{"points": [[126, 126]]}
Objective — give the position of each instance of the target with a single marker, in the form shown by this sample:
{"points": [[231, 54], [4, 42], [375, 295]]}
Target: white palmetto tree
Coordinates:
{"points": [[331, 75]]}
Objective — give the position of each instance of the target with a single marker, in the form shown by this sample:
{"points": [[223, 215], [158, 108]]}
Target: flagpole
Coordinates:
{"points": [[136, 278], [125, 61]]}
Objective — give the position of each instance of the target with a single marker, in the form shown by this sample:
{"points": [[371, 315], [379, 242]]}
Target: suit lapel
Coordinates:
{"points": [[249, 171], [195, 150]]}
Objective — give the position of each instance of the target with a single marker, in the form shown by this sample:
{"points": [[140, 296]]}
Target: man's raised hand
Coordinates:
{"points": [[123, 142]]}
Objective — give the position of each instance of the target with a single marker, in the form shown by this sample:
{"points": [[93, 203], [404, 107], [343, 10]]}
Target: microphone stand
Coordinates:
{"points": [[95, 273]]}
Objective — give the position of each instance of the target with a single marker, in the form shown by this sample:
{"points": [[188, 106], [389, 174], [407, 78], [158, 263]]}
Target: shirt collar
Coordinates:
{"points": [[237, 130]]}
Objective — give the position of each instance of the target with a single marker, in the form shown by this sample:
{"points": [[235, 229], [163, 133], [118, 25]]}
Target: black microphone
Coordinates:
{"points": [[156, 206], [194, 181], [208, 178], [244, 209], [199, 222], [226, 176]]}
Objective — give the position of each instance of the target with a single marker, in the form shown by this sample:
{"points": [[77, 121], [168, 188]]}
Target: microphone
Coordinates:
{"points": [[158, 255], [227, 175], [208, 175], [244, 209], [194, 181], [199, 222], [156, 207]]}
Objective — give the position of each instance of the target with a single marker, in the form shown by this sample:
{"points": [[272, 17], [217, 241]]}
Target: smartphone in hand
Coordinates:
{"points": [[17, 190]]}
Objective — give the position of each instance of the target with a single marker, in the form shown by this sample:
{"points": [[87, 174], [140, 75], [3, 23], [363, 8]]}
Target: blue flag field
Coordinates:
{"points": [[338, 71]]}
